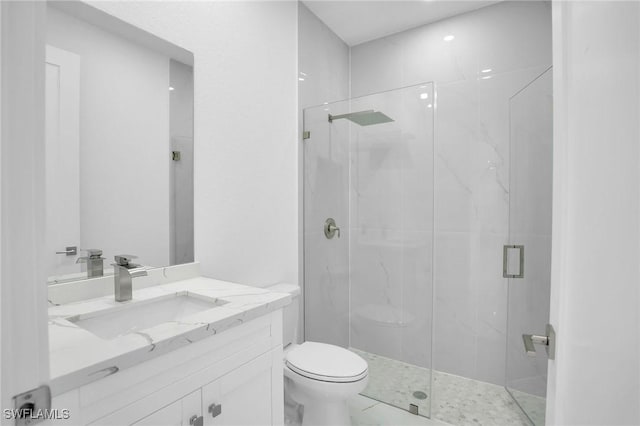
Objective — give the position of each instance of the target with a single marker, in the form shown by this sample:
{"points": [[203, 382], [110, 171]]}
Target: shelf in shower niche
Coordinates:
{"points": [[393, 243], [384, 315]]}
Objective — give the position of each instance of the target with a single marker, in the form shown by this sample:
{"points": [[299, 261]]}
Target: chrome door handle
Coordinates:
{"points": [[330, 228], [69, 251], [548, 341], [506, 273], [215, 409], [196, 420]]}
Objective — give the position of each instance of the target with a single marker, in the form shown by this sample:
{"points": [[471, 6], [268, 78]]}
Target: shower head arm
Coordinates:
{"points": [[347, 116]]}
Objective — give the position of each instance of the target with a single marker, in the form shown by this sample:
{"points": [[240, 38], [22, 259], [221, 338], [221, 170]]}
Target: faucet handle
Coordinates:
{"points": [[124, 259], [94, 253]]}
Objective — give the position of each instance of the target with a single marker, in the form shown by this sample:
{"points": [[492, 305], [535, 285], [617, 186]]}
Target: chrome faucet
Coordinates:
{"points": [[125, 271], [94, 262]]}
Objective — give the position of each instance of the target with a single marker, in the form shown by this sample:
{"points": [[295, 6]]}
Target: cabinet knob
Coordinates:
{"points": [[196, 420], [215, 409]]}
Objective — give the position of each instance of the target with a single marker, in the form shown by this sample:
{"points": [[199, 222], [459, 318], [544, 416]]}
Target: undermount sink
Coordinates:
{"points": [[137, 316]]}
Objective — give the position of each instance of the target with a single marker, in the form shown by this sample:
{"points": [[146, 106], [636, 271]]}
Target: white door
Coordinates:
{"points": [[62, 140], [238, 398]]}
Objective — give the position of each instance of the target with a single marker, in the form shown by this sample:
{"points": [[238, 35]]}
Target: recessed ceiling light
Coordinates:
{"points": [[429, 106], [300, 79], [486, 70], [449, 37], [424, 95], [171, 88], [486, 77]]}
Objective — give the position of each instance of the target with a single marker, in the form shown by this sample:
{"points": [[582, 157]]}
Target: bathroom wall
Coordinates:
{"points": [[595, 303], [495, 52], [124, 140], [323, 76], [246, 170]]}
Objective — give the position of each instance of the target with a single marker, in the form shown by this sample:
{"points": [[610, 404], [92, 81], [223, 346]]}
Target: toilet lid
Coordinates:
{"points": [[329, 363]]}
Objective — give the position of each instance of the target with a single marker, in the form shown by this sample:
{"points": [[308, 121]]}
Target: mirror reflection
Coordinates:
{"points": [[119, 146]]}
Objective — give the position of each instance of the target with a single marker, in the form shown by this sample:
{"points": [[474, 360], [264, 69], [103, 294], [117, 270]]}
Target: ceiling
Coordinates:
{"points": [[358, 21]]}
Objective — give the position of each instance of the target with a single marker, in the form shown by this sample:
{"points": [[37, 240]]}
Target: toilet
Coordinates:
{"points": [[318, 376]]}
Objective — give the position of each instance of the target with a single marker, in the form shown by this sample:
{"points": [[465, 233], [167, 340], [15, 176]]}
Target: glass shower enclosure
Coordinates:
{"points": [[531, 159], [368, 237]]}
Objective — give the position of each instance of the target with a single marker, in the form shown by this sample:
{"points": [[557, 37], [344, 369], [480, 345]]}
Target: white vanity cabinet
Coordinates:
{"points": [[231, 378], [176, 414], [238, 398], [241, 397]]}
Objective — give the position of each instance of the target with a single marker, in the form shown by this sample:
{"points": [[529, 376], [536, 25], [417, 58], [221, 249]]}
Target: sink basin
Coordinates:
{"points": [[137, 316]]}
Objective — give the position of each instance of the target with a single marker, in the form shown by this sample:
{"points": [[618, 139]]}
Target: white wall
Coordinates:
{"points": [[595, 379], [124, 133], [513, 40], [246, 172]]}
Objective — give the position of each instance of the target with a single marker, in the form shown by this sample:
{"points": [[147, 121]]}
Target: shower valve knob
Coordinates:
{"points": [[331, 229]]}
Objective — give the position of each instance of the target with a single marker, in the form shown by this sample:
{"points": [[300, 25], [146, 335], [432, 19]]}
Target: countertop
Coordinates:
{"points": [[78, 357]]}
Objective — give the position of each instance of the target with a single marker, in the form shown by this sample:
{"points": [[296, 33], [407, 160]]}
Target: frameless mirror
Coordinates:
{"points": [[119, 144]]}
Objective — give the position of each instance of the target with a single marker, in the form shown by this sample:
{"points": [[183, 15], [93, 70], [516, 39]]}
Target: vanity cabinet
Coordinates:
{"points": [[231, 378], [176, 414], [237, 398]]}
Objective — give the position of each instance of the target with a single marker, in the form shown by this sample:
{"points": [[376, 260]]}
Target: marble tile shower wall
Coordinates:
{"points": [[495, 52], [326, 260], [391, 225]]}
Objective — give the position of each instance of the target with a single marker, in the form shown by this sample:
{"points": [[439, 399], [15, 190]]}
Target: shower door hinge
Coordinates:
{"points": [[548, 341], [306, 135], [32, 407]]}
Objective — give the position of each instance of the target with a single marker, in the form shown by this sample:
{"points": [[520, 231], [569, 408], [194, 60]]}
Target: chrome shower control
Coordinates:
{"points": [[330, 228]]}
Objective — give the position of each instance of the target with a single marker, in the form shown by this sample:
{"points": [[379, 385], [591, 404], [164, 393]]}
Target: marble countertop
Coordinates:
{"points": [[78, 357]]}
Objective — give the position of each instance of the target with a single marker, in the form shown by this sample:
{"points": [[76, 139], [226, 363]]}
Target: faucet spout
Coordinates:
{"points": [[125, 271], [137, 271]]}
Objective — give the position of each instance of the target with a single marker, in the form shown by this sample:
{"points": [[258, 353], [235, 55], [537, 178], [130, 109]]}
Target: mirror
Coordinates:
{"points": [[119, 143]]}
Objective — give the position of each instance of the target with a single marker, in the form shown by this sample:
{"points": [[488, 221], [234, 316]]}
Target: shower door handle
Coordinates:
{"points": [[548, 341], [506, 272]]}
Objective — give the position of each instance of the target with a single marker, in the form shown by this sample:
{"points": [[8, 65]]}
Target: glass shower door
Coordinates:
{"points": [[369, 166], [531, 133]]}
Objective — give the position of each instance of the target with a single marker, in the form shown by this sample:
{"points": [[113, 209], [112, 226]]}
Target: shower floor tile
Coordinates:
{"points": [[394, 382], [368, 412], [535, 406], [456, 400]]}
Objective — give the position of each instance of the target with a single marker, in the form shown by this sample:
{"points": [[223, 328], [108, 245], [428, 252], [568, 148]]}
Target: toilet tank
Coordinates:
{"points": [[290, 312]]}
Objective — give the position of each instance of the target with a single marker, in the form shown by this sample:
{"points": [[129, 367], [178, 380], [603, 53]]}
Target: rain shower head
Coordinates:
{"points": [[363, 118]]}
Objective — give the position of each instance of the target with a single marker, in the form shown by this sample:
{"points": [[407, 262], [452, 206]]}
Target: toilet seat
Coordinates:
{"points": [[327, 363]]}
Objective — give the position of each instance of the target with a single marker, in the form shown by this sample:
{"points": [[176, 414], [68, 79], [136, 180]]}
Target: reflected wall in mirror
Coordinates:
{"points": [[119, 143]]}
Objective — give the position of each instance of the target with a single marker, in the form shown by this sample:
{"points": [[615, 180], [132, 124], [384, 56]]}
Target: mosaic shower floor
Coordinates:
{"points": [[456, 400]]}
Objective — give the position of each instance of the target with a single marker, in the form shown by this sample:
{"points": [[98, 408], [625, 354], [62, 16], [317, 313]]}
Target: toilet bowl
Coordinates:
{"points": [[319, 376]]}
